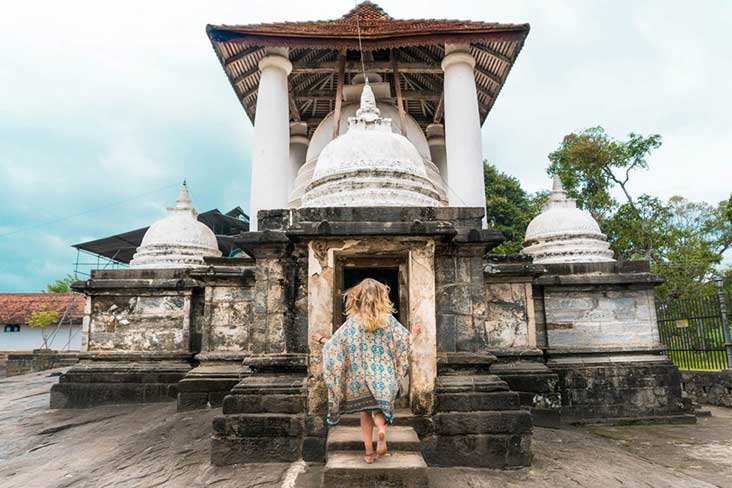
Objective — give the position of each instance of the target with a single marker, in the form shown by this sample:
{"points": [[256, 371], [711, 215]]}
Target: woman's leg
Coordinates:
{"points": [[367, 433], [380, 421]]}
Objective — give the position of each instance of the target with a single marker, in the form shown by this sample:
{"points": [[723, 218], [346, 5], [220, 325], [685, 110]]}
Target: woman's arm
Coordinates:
{"points": [[416, 330], [319, 338]]}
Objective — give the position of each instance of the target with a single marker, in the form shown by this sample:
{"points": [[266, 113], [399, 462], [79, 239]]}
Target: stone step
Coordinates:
{"points": [[347, 469], [474, 402], [402, 416], [349, 439]]}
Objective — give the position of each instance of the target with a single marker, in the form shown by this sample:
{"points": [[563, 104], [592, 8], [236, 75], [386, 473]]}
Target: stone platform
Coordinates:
{"points": [[109, 379]]}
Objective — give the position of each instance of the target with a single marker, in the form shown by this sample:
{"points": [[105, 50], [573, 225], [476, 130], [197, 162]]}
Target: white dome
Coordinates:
{"points": [[370, 166], [563, 233], [178, 240]]}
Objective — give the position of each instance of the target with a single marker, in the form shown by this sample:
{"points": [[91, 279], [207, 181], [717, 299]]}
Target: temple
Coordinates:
{"points": [[367, 162]]}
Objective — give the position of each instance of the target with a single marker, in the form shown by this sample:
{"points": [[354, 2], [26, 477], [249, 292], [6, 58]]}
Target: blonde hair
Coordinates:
{"points": [[370, 301]]}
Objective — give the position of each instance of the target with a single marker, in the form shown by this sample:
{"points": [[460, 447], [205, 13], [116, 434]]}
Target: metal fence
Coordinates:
{"points": [[696, 331]]}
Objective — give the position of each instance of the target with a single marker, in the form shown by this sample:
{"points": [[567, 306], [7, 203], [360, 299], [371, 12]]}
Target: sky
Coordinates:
{"points": [[105, 107]]}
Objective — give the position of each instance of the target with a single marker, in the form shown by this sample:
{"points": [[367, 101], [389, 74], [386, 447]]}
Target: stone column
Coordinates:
{"points": [[423, 361], [298, 150], [462, 128], [270, 158], [436, 141]]}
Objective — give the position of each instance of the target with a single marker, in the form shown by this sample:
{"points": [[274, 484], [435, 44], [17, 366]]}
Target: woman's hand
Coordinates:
{"points": [[317, 337], [416, 330]]}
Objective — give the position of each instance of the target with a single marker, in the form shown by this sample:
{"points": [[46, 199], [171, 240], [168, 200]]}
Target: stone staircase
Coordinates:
{"points": [[345, 467]]}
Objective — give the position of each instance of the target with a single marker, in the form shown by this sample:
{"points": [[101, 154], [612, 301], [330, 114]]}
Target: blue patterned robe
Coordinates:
{"points": [[363, 369]]}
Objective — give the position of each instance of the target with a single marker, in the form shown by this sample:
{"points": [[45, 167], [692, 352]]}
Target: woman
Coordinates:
{"points": [[364, 362]]}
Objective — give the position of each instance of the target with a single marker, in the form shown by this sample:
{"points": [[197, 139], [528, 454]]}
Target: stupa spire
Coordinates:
{"points": [[183, 202]]}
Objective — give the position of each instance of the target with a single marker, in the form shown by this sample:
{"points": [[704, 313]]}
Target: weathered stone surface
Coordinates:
{"points": [[460, 298], [618, 391], [595, 316], [465, 423], [247, 450], [399, 470], [466, 402], [708, 387], [89, 385], [39, 360], [480, 451]]}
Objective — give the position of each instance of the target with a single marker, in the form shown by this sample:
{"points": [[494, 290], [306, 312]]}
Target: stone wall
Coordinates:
{"points": [[593, 316], [708, 387], [228, 315], [31, 362], [461, 299], [140, 321], [510, 315], [614, 391]]}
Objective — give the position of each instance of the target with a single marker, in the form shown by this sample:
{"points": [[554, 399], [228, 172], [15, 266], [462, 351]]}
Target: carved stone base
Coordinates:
{"points": [[479, 423], [208, 384], [535, 383], [264, 421], [119, 380], [619, 388]]}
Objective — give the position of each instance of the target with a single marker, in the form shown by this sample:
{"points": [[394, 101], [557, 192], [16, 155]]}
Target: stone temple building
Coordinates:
{"points": [[367, 162]]}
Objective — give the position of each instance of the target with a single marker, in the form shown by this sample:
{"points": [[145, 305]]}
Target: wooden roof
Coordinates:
{"points": [[318, 48]]}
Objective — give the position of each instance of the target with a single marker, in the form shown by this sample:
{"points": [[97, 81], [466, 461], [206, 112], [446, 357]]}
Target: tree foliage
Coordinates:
{"points": [[44, 319], [509, 208], [61, 286], [684, 241]]}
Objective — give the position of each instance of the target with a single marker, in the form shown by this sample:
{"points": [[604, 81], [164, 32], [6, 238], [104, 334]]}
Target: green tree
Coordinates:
{"points": [[509, 208], [592, 164], [44, 319], [61, 286]]}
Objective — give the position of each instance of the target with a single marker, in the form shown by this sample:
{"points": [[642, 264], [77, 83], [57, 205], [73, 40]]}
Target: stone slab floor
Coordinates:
{"points": [[153, 446]]}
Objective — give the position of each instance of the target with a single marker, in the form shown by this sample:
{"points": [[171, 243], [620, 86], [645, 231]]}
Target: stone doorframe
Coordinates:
{"points": [[323, 255]]}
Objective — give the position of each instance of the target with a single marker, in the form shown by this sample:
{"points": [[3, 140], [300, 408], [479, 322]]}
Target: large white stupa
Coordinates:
{"points": [[178, 240], [370, 165], [563, 233]]}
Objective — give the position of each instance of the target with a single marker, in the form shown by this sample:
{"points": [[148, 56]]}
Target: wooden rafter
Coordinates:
{"points": [[339, 93], [439, 110], [374, 67], [398, 91], [294, 111], [250, 72], [323, 95], [492, 53], [241, 55], [484, 72]]}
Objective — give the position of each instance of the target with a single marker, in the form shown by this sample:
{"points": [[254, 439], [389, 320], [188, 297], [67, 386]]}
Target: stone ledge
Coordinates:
{"points": [[498, 451], [466, 423]]}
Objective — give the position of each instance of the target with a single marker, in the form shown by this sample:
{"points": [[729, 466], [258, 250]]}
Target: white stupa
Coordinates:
{"points": [[370, 166], [178, 240], [563, 233]]}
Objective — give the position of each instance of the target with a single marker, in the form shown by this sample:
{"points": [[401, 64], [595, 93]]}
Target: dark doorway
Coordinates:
{"points": [[388, 276]]}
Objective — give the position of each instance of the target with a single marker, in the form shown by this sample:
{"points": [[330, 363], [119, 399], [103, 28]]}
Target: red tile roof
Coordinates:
{"points": [[378, 30], [16, 308]]}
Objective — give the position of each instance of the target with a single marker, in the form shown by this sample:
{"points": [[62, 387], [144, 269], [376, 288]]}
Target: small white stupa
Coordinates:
{"points": [[178, 240], [563, 233], [370, 166]]}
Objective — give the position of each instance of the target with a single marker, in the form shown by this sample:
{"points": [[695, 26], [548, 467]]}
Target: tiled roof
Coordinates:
{"points": [[16, 308], [374, 24]]}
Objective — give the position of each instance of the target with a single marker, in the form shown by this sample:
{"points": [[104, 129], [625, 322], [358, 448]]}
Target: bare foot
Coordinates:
{"points": [[381, 448]]}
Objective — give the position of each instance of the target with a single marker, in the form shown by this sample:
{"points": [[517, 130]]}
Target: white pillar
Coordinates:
{"points": [[271, 155], [298, 150], [436, 141], [462, 129]]}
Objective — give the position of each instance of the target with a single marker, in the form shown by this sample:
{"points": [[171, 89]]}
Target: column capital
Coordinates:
{"points": [[435, 135], [275, 61], [456, 58]]}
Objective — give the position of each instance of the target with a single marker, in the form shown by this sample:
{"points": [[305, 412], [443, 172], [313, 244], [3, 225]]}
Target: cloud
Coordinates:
{"points": [[106, 107]]}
